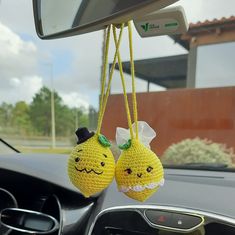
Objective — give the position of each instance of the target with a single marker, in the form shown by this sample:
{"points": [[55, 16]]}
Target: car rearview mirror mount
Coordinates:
{"points": [[59, 18]]}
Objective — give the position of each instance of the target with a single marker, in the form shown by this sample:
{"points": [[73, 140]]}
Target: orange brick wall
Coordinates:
{"points": [[179, 114]]}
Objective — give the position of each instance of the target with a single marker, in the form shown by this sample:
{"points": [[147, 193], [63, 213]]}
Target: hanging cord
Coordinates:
{"points": [[123, 86], [105, 97], [104, 75], [134, 102]]}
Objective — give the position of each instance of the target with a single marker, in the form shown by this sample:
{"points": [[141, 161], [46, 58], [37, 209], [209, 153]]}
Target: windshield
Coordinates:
{"points": [[185, 86]]}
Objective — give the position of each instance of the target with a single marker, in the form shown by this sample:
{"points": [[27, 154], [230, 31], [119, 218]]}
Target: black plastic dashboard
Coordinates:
{"points": [[190, 201], [39, 183]]}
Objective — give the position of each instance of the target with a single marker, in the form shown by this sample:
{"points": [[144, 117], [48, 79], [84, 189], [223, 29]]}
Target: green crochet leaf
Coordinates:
{"points": [[104, 141], [125, 146]]}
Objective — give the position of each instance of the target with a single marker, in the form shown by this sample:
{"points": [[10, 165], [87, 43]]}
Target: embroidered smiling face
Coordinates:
{"points": [[139, 172], [91, 166]]}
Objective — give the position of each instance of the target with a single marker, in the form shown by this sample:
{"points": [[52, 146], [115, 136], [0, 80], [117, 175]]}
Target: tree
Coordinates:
{"points": [[36, 117], [64, 120], [40, 113], [20, 118], [5, 114], [80, 117]]}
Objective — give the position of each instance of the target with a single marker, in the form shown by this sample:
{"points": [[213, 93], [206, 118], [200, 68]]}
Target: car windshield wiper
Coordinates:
{"points": [[201, 166], [8, 145]]}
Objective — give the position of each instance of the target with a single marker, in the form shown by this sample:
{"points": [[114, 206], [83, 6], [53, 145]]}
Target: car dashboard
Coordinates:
{"points": [[36, 195]]}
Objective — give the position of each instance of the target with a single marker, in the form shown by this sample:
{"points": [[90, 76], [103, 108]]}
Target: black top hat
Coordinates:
{"points": [[83, 134]]}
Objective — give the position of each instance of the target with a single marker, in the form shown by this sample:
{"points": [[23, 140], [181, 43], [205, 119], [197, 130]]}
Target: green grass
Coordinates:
{"points": [[45, 150]]}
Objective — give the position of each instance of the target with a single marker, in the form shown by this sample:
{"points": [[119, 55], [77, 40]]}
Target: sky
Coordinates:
{"points": [[26, 61]]}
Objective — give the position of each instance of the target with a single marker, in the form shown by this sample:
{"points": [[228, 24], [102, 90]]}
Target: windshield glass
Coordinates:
{"points": [[185, 86]]}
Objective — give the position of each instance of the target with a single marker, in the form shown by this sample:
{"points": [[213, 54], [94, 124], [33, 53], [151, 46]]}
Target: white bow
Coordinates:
{"points": [[146, 134]]}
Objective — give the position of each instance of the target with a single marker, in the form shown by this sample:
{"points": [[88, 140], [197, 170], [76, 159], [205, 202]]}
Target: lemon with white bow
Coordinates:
{"points": [[139, 172]]}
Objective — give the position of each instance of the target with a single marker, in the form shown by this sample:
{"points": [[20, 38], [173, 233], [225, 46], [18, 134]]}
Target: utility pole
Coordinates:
{"points": [[76, 119], [53, 139]]}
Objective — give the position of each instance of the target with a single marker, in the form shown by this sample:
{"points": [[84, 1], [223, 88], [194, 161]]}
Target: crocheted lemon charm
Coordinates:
{"points": [[139, 172], [91, 164]]}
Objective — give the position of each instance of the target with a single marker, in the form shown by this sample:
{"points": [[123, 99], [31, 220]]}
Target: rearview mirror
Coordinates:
{"points": [[60, 18]]}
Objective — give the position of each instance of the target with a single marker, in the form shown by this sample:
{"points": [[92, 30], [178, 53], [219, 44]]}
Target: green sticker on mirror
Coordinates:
{"points": [[104, 141], [125, 146]]}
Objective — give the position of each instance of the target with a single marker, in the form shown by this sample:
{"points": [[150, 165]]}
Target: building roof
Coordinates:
{"points": [[169, 72], [205, 27], [215, 21]]}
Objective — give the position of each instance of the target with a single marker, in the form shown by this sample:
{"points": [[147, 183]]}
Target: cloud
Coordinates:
{"points": [[18, 66], [15, 82], [17, 15], [75, 99], [12, 44], [22, 88], [201, 10], [17, 57]]}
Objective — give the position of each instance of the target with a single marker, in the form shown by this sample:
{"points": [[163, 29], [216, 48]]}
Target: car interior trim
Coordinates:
{"points": [[171, 228], [141, 209], [10, 195], [60, 212], [53, 229]]}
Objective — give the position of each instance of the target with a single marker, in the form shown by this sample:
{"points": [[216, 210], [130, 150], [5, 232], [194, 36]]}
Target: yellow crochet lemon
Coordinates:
{"points": [[139, 172], [91, 165]]}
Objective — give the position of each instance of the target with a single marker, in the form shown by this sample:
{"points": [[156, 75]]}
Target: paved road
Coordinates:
{"points": [[38, 143]]}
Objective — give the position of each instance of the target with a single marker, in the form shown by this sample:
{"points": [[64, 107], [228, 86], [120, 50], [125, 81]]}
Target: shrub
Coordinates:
{"points": [[198, 151]]}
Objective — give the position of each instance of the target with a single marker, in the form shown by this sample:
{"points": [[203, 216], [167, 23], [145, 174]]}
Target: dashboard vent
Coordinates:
{"points": [[24, 212], [52, 207], [6, 200]]}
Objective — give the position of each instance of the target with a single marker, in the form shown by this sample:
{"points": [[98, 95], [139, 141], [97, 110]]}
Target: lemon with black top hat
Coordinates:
{"points": [[91, 164]]}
